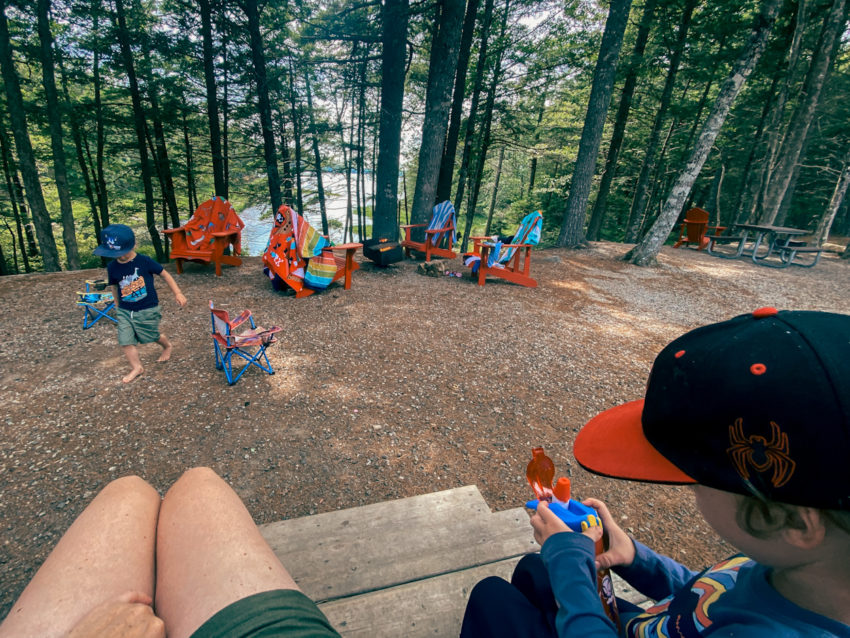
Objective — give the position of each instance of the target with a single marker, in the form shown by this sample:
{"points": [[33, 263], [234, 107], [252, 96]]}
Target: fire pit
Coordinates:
{"points": [[382, 252]]}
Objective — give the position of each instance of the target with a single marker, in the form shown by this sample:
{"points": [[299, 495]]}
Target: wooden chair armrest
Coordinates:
{"points": [[413, 225], [169, 231], [224, 233], [353, 246], [439, 230]]}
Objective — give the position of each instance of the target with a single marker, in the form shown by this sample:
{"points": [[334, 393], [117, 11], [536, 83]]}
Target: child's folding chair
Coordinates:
{"points": [[227, 343], [96, 303]]}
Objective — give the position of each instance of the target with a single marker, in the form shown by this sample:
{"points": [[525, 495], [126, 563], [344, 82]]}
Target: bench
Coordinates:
{"points": [[788, 253], [726, 239], [404, 567]]}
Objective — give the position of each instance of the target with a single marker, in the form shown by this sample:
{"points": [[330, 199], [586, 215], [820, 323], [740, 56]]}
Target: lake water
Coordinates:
{"points": [[258, 218]]}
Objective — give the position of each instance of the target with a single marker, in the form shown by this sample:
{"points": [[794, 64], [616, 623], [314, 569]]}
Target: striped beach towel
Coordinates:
{"points": [[442, 217], [529, 231]]}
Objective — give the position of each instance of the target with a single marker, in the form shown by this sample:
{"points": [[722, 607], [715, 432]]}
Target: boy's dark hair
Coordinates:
{"points": [[761, 518]]}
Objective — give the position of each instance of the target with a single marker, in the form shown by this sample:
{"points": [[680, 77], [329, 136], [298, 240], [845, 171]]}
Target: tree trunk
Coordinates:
{"points": [[495, 191], [162, 162], [212, 98], [572, 227], [478, 87], [619, 132], [296, 126], [263, 106], [792, 145], [54, 118], [532, 168], [100, 179], [641, 189], [78, 145], [284, 156], [444, 54], [5, 154], [647, 250], [26, 159], [747, 190], [140, 126], [395, 16], [447, 166], [484, 137], [190, 171], [825, 223], [320, 188]]}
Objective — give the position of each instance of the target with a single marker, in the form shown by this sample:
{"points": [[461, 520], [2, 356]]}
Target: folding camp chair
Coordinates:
{"points": [[96, 303], [492, 257], [227, 343], [440, 234]]}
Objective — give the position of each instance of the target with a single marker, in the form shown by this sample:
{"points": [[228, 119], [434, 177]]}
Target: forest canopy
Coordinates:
{"points": [[135, 111]]}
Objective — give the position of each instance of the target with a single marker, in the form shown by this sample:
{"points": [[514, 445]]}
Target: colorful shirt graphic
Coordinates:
{"points": [[135, 282]]}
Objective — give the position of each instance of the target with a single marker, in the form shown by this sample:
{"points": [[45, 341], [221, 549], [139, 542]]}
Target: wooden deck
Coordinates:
{"points": [[404, 567]]}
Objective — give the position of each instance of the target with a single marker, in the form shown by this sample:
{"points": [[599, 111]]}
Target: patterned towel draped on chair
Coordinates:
{"points": [[443, 212], [529, 231], [307, 252]]}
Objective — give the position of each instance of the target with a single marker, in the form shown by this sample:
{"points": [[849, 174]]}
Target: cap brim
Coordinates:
{"points": [[105, 252], [613, 444]]}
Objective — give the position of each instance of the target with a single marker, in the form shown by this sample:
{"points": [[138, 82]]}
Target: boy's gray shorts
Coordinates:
{"points": [[138, 326]]}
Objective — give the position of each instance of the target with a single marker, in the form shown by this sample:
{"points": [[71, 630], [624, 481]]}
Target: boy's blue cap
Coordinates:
{"points": [[115, 240], [756, 405]]}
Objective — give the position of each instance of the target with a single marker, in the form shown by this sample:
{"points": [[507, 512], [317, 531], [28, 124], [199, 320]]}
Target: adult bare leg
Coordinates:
{"points": [[209, 553], [107, 551]]}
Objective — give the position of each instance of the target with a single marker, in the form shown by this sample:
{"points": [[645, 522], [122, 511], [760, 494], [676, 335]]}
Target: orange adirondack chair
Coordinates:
{"points": [[212, 228], [489, 257], [299, 257], [439, 235], [694, 228]]}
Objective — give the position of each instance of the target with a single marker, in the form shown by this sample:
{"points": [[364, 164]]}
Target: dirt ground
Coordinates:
{"points": [[402, 385]]}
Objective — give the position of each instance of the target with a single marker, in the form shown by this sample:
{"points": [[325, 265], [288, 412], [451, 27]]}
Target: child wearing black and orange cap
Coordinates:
{"points": [[768, 455]]}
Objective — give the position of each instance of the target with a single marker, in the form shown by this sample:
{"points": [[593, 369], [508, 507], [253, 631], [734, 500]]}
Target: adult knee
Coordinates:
{"points": [[128, 487], [192, 480]]}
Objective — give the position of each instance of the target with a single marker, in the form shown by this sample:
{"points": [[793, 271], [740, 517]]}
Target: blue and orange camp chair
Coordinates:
{"points": [[213, 229], [299, 257], [226, 343], [492, 257], [440, 234], [96, 303]]}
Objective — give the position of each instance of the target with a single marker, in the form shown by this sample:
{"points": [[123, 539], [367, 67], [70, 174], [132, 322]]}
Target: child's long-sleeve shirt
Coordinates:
{"points": [[732, 598]]}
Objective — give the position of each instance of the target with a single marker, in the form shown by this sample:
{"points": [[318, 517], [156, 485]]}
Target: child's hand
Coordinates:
{"points": [[545, 523], [181, 299], [621, 549]]}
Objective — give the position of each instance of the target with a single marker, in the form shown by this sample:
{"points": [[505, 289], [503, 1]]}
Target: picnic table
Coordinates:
{"points": [[779, 240]]}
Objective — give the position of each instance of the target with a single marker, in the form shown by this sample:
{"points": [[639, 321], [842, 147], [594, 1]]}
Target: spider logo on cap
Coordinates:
{"points": [[761, 455]]}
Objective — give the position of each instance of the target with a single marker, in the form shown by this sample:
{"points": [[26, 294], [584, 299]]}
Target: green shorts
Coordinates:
{"points": [[138, 326], [280, 612]]}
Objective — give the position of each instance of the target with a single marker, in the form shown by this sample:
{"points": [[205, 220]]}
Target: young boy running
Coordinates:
{"points": [[138, 305], [754, 412]]}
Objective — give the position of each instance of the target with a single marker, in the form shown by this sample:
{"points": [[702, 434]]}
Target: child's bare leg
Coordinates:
{"points": [[166, 348], [132, 354], [107, 551], [209, 553]]}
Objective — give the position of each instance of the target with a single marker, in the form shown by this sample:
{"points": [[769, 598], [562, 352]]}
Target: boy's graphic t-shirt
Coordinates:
{"points": [[135, 282]]}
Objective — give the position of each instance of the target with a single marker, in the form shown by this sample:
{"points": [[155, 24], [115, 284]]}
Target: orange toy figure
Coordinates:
{"points": [[577, 516], [540, 472]]}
